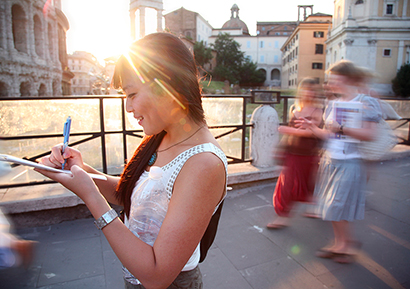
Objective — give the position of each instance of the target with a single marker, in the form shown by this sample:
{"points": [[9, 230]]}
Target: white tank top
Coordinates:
{"points": [[170, 174]]}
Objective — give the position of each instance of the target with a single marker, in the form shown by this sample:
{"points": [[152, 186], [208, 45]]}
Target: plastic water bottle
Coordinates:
{"points": [[149, 207]]}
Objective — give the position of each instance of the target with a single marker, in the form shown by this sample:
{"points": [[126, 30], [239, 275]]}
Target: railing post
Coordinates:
{"points": [[264, 136]]}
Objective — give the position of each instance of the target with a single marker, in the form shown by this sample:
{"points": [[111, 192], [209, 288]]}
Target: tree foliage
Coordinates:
{"points": [[232, 64], [401, 83], [228, 60], [250, 75], [202, 54]]}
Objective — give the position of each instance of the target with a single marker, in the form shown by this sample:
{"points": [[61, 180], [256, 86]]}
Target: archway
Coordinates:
{"points": [[19, 24], [3, 89], [25, 88], [42, 90]]}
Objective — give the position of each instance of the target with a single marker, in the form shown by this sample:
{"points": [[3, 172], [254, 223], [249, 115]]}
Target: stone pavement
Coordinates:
{"points": [[74, 254]]}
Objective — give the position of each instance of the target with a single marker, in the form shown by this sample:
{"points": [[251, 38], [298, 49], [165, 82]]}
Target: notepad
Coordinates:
{"points": [[12, 159]]}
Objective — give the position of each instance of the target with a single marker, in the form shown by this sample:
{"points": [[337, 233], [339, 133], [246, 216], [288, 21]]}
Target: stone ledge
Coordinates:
{"points": [[54, 196]]}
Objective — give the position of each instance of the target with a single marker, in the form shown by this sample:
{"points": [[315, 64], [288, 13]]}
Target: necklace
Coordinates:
{"points": [[155, 154]]}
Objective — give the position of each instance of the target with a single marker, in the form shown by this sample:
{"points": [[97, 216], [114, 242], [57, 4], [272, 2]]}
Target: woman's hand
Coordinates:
{"points": [[79, 182], [56, 158], [303, 123]]}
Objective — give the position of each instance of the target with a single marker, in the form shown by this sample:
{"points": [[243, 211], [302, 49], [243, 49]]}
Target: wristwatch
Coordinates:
{"points": [[341, 129], [105, 219]]}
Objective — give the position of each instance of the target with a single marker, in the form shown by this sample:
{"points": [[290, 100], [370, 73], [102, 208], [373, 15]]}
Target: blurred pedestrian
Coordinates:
{"points": [[14, 251], [342, 174], [301, 154]]}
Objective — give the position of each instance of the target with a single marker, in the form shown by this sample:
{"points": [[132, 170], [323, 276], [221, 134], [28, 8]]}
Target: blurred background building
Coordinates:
{"points": [[263, 48], [89, 74], [304, 52], [33, 54], [372, 34]]}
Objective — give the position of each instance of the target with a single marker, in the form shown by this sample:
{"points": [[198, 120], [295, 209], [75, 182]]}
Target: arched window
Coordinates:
{"points": [[38, 36], [42, 90], [3, 89], [25, 88], [275, 74], [19, 23]]}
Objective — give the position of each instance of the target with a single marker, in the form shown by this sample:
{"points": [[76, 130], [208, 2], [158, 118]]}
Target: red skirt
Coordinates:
{"points": [[296, 182]]}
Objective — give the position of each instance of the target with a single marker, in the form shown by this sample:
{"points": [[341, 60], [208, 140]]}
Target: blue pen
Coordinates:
{"points": [[66, 134]]}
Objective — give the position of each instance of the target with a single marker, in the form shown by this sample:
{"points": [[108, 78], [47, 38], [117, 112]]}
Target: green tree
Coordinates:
{"points": [[401, 83], [202, 54], [229, 59], [250, 75]]}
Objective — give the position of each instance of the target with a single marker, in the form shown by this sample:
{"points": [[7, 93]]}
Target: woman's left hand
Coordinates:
{"points": [[79, 182]]}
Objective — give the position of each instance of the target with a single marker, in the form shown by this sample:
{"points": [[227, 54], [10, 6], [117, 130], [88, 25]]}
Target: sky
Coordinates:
{"points": [[102, 27]]}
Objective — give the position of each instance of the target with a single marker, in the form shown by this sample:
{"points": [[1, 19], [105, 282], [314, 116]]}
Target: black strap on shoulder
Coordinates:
{"points": [[209, 235]]}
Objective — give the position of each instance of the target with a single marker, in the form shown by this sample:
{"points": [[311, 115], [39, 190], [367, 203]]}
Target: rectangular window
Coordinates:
{"points": [[261, 44], [317, 65], [262, 58], [389, 9], [248, 44], [276, 44], [386, 52], [276, 58], [319, 49], [318, 34], [296, 50]]}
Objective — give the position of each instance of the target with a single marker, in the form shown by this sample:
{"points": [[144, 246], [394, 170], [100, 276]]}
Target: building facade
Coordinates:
{"points": [[373, 34], [264, 48], [188, 24], [33, 55], [303, 53], [89, 75]]}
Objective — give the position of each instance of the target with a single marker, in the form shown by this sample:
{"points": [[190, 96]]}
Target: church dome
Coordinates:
{"points": [[235, 22]]}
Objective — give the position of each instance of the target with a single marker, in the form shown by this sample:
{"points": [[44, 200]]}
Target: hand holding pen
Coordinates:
{"points": [[66, 134]]}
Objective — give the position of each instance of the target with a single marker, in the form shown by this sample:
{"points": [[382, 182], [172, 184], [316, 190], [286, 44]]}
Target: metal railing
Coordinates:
{"points": [[256, 97], [102, 133]]}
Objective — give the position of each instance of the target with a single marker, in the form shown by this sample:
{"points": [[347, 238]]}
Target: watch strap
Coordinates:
{"points": [[105, 219]]}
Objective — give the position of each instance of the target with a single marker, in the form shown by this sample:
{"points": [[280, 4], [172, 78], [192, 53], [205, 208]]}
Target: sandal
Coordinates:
{"points": [[274, 226], [324, 253], [343, 258]]}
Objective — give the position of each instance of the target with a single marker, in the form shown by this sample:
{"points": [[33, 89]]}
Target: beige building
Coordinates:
{"points": [[303, 53], [33, 55], [89, 76], [373, 34]]}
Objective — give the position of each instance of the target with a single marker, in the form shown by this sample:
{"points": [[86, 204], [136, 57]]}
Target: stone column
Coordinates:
{"points": [[159, 20], [132, 21], [264, 136], [142, 21]]}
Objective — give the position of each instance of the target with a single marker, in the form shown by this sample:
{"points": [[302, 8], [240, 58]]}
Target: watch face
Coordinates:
{"points": [[105, 219]]}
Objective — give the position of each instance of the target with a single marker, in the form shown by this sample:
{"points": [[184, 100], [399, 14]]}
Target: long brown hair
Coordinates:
{"points": [[163, 61]]}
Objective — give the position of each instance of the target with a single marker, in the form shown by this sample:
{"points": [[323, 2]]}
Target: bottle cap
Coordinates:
{"points": [[155, 172]]}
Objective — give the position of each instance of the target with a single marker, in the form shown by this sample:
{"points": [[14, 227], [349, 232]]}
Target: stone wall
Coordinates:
{"points": [[29, 49]]}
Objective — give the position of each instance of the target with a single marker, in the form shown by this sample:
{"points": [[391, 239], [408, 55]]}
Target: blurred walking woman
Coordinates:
{"points": [[301, 155], [342, 175], [159, 78]]}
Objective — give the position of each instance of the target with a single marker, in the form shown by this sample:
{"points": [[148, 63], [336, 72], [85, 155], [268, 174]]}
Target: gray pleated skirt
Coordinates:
{"points": [[339, 189]]}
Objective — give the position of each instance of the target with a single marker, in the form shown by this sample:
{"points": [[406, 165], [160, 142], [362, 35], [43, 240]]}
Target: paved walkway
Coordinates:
{"points": [[245, 254]]}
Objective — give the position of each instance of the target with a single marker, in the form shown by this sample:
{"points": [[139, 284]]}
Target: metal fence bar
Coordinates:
{"points": [[102, 133]]}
